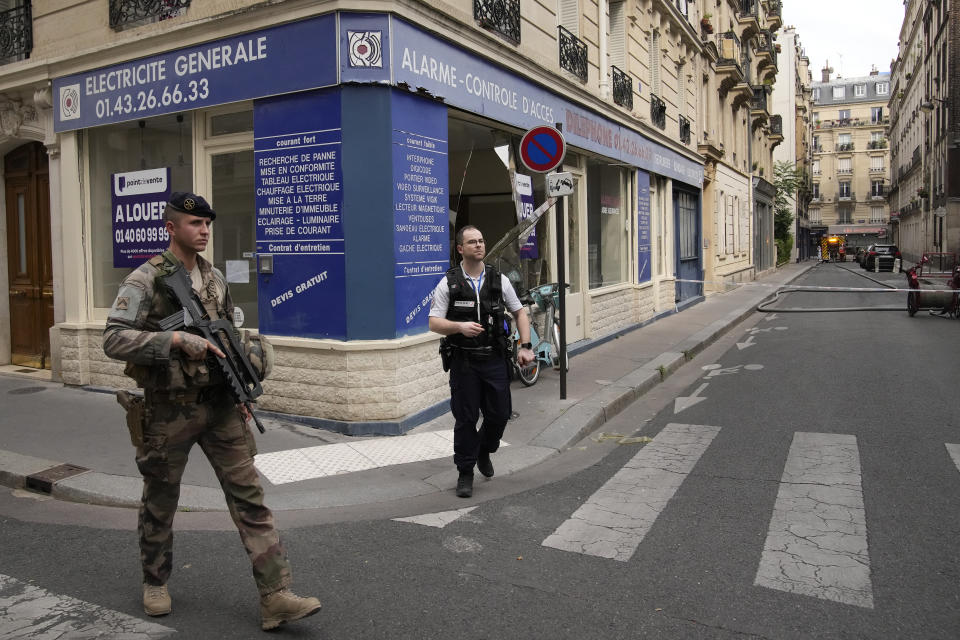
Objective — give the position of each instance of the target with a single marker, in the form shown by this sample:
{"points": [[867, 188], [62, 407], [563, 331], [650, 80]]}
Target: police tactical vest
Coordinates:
{"points": [[463, 308]]}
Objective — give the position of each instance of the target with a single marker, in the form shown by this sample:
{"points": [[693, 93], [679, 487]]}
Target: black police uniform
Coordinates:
{"points": [[479, 372]]}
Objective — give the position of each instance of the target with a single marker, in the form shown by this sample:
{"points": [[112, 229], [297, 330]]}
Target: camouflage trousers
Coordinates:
{"points": [[174, 424]]}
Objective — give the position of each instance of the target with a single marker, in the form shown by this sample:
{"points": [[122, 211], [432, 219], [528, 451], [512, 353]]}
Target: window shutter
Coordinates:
{"points": [[569, 16], [617, 43]]}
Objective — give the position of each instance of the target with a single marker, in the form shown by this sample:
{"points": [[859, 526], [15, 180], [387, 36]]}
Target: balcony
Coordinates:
{"points": [[16, 34], [658, 112], [878, 193], [844, 146], [877, 144], [758, 106], [878, 169], [622, 88], [684, 130], [845, 171], [774, 14], [499, 16], [776, 130], [573, 54], [846, 197], [765, 51], [729, 71], [749, 17], [134, 13]]}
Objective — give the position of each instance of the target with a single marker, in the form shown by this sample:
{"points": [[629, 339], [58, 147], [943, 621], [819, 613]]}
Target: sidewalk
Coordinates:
{"points": [[73, 444]]}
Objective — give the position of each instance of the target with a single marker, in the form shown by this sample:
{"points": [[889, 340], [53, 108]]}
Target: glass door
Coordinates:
{"points": [[234, 231]]}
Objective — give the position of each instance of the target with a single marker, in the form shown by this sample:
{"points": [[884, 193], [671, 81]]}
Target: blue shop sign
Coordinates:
{"points": [[282, 59], [643, 227]]}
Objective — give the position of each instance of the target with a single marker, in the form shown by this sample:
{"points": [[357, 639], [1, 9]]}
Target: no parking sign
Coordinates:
{"points": [[542, 149]]}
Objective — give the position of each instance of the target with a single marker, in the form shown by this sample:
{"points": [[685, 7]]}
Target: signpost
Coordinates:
{"points": [[542, 150]]}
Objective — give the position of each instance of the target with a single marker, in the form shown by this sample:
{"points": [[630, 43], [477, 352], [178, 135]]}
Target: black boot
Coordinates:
{"points": [[465, 485], [484, 465]]}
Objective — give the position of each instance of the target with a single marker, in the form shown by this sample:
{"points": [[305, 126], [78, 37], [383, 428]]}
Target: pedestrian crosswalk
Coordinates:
{"points": [[27, 611], [816, 543]]}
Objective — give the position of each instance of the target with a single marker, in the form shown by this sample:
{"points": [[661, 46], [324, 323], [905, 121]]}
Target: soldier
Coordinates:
{"points": [[187, 402]]}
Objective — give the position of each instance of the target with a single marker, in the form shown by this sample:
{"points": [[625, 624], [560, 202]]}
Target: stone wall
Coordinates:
{"points": [[349, 382]]}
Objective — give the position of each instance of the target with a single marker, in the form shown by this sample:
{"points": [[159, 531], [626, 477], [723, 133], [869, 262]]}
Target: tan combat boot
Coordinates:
{"points": [[285, 606], [156, 600]]}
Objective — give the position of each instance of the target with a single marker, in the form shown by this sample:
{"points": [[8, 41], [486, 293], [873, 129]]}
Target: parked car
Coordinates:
{"points": [[881, 257]]}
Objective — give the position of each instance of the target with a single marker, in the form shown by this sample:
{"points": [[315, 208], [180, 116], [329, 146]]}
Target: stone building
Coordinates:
{"points": [[925, 132], [342, 143], [851, 158], [791, 100]]}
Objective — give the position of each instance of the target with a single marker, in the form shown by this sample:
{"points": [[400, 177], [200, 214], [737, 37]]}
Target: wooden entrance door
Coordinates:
{"points": [[29, 256]]}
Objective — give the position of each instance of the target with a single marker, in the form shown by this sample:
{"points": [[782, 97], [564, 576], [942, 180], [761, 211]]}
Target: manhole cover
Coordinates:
{"points": [[25, 390]]}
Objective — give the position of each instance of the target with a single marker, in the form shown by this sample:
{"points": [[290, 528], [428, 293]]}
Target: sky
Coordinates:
{"points": [[853, 35]]}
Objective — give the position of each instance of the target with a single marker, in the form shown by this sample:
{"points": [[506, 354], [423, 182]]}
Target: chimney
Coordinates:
{"points": [[873, 71], [826, 71]]}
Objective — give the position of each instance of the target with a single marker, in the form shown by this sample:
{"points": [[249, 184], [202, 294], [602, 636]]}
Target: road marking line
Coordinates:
{"points": [[954, 451], [27, 611], [613, 521], [817, 541], [438, 520]]}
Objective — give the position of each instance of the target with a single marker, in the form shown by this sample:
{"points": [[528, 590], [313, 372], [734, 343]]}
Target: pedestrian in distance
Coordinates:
{"points": [[186, 402], [468, 308]]}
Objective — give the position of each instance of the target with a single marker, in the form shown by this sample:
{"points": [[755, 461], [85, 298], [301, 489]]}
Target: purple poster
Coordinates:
{"points": [[138, 200], [524, 210]]}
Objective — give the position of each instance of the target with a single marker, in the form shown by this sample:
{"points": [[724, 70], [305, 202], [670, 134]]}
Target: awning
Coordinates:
{"points": [[844, 229]]}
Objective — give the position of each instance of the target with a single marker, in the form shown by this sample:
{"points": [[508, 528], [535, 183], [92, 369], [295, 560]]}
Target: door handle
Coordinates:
{"points": [[17, 293], [46, 293]]}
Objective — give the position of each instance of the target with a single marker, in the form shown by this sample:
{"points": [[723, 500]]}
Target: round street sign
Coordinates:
{"points": [[542, 149]]}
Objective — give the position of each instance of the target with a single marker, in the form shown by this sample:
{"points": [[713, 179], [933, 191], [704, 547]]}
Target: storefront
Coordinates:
{"points": [[339, 185]]}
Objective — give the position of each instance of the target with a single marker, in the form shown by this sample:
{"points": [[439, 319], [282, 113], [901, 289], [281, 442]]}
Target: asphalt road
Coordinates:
{"points": [[799, 484]]}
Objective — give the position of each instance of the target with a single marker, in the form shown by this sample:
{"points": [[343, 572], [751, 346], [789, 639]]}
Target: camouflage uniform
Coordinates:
{"points": [[187, 403]]}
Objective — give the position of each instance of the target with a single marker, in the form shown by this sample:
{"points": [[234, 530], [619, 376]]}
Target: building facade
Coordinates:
{"points": [[924, 132], [791, 98], [851, 158], [342, 145]]}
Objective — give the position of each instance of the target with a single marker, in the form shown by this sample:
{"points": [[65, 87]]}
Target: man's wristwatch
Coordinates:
{"points": [[526, 345]]}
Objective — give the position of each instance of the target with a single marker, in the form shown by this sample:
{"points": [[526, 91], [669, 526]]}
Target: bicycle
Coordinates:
{"points": [[546, 350]]}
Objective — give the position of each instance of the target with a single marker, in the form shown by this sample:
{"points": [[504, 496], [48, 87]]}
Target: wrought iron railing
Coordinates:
{"points": [[573, 54], [502, 16], [776, 125], [684, 130], [728, 48], [748, 8], [877, 144], [16, 34], [622, 87], [844, 196], [844, 146], [132, 13], [878, 192], [658, 111], [775, 8]]}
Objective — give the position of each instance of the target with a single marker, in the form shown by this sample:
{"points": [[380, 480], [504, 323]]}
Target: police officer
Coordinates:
{"points": [[468, 307], [187, 402]]}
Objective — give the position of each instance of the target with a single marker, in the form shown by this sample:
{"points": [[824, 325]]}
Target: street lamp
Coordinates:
{"points": [[928, 106]]}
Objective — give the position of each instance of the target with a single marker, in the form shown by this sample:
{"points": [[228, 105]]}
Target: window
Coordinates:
{"points": [[876, 136], [815, 167], [616, 47], [876, 115], [844, 165], [876, 164], [844, 189], [883, 88], [876, 188], [569, 15], [816, 143], [844, 116], [815, 216], [607, 214], [655, 63], [876, 215], [816, 191], [816, 94], [839, 93], [163, 142], [859, 90]]}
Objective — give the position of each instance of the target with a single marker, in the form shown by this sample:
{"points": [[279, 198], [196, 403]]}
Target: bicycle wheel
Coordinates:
{"points": [[529, 374], [555, 349]]}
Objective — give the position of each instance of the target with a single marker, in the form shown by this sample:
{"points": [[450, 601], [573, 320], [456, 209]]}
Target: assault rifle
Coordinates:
{"points": [[242, 379]]}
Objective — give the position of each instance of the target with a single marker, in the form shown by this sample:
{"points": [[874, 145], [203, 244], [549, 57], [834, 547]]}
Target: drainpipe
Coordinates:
{"points": [[602, 20]]}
